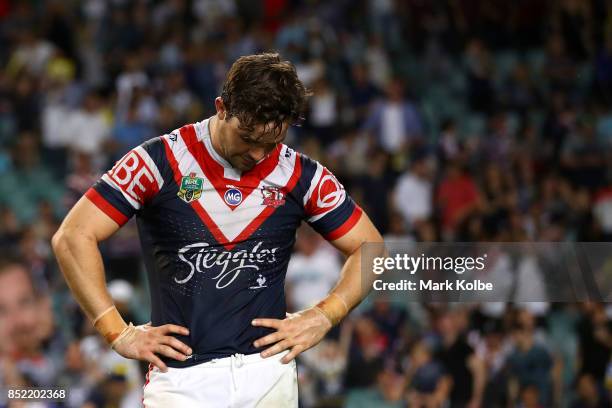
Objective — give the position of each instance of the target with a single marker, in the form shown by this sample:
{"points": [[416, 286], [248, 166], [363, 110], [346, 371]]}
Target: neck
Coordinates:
{"points": [[214, 135]]}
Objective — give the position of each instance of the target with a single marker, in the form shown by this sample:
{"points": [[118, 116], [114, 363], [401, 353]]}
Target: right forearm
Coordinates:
{"points": [[81, 264]]}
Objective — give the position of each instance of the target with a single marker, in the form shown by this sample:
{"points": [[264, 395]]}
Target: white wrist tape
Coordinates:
{"points": [[128, 333]]}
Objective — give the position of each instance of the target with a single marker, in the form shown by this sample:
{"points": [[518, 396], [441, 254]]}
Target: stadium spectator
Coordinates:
{"points": [[375, 187], [129, 133], [493, 349], [428, 385], [394, 122], [413, 195], [480, 82], [26, 322], [312, 270], [449, 146], [323, 111], [530, 368], [367, 346], [583, 157], [362, 92], [463, 369], [590, 394], [595, 336], [456, 197]]}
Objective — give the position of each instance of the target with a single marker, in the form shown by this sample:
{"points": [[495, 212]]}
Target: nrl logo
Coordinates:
{"points": [[273, 197], [191, 188]]}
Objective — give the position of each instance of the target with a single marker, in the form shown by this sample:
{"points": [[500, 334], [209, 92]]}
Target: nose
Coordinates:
{"points": [[257, 153], [17, 324]]}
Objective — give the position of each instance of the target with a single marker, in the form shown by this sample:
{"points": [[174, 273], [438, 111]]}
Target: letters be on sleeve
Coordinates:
{"points": [[126, 188]]}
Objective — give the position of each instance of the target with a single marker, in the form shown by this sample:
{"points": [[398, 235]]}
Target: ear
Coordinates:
{"points": [[220, 107]]}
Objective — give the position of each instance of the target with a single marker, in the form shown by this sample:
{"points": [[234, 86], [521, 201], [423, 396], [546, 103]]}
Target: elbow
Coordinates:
{"points": [[63, 239], [60, 244], [58, 241], [67, 237], [377, 239]]}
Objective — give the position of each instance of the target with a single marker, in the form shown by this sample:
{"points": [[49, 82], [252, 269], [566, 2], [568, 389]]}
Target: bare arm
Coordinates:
{"points": [[305, 329], [75, 245], [76, 248], [350, 287]]}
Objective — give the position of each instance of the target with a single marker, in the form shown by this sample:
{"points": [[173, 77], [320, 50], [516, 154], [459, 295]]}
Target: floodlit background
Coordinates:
{"points": [[466, 120]]}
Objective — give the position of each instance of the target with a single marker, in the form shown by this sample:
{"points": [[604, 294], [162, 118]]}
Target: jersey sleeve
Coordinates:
{"points": [[328, 207], [131, 184]]}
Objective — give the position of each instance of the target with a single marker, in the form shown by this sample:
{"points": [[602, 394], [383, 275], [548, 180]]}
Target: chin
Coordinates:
{"points": [[241, 165]]}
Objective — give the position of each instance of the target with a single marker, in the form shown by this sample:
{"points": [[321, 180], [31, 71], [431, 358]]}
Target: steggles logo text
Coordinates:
{"points": [[202, 258]]}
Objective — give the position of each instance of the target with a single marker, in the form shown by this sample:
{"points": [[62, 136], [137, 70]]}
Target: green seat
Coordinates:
{"points": [[537, 117], [535, 61], [584, 77], [505, 62], [367, 398], [473, 125], [22, 191], [458, 82], [431, 119], [513, 121]]}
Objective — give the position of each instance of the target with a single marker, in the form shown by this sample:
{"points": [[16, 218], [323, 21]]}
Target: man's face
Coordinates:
{"points": [[242, 148], [19, 309]]}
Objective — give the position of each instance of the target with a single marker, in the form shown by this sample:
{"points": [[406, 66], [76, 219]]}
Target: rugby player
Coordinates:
{"points": [[217, 204]]}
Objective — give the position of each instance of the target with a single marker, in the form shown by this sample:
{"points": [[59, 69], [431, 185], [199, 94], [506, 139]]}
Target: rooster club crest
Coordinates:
{"points": [[261, 283], [272, 196], [191, 188]]}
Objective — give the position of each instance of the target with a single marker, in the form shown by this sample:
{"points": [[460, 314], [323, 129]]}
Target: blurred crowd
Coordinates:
{"points": [[466, 120]]}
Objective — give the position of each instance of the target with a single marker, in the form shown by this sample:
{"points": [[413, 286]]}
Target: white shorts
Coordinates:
{"points": [[236, 381]]}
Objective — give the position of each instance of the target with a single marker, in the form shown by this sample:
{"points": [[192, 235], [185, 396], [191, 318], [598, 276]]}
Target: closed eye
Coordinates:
{"points": [[267, 146], [247, 139]]}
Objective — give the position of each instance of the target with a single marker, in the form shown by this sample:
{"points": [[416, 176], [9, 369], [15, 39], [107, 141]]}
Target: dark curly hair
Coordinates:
{"points": [[263, 89]]}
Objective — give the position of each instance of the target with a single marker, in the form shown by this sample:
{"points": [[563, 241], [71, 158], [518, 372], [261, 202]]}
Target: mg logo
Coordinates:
{"points": [[233, 196]]}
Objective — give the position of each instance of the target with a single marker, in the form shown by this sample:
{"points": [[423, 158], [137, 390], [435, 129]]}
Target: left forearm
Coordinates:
{"points": [[347, 293], [303, 330], [350, 286], [354, 283]]}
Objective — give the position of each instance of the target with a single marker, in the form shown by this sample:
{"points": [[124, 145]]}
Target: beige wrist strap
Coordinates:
{"points": [[333, 307], [101, 315], [110, 324]]}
